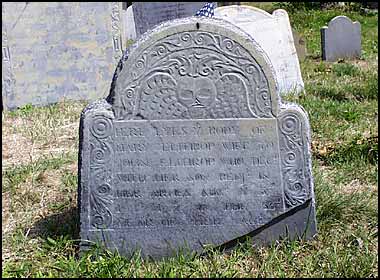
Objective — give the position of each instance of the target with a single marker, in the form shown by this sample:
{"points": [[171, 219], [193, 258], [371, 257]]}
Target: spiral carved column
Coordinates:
{"points": [[101, 153]]}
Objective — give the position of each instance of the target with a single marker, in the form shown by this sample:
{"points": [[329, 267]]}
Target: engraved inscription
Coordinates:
{"points": [[182, 170]]}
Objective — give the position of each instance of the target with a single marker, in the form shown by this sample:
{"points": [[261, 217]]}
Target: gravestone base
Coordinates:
{"points": [[297, 224]]}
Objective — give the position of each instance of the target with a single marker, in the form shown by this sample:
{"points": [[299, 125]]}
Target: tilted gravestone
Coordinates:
{"points": [[55, 51], [149, 14], [193, 147], [341, 39], [274, 35]]}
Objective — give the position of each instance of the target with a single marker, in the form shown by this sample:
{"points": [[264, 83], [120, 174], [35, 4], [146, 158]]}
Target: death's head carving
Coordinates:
{"points": [[196, 94]]}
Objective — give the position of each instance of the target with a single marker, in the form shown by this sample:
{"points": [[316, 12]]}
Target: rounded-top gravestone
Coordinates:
{"points": [[279, 46], [193, 147], [341, 39]]}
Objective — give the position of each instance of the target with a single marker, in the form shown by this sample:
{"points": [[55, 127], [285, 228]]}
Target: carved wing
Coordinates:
{"points": [[158, 98], [232, 98]]}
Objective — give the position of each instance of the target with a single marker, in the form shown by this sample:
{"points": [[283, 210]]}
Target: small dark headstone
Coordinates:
{"points": [[193, 147], [229, 3], [300, 44], [149, 14], [371, 5], [341, 39]]}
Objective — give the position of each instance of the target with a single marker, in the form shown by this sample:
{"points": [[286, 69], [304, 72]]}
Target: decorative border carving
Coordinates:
{"points": [[293, 161], [116, 30], [101, 154], [7, 72]]}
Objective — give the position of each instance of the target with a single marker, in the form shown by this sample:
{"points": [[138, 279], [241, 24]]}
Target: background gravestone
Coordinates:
{"points": [[279, 46], [129, 23], [228, 3], [54, 51], [300, 44], [149, 14], [192, 147], [341, 39], [371, 5]]}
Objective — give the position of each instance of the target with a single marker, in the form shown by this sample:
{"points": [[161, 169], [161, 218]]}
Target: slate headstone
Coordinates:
{"points": [[229, 3], [193, 147], [55, 50], [371, 5], [300, 44], [341, 39], [149, 14], [274, 34]]}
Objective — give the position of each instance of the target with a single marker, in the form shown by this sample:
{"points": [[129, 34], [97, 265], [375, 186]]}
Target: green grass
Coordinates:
{"points": [[18, 175], [308, 24], [40, 222]]}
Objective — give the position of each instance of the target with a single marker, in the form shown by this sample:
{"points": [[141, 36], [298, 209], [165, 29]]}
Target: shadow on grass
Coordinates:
{"points": [[65, 223]]}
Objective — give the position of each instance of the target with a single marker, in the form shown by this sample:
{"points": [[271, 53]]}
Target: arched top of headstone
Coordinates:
{"points": [[258, 14], [258, 24], [342, 20], [194, 68]]}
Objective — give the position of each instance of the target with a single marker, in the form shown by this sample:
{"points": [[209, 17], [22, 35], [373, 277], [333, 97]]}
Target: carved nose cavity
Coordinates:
{"points": [[197, 103]]}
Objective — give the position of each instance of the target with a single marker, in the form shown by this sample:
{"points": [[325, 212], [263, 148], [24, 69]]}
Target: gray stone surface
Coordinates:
{"points": [[149, 14], [341, 39], [55, 51], [300, 44], [194, 147]]}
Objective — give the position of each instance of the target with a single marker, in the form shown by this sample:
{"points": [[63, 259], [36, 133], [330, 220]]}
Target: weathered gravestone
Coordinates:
{"points": [[193, 147], [129, 24], [300, 44], [341, 39], [274, 34], [149, 14], [55, 51]]}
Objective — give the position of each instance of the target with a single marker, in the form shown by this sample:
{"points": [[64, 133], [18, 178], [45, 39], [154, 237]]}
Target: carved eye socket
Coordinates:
{"points": [[186, 94], [204, 93], [129, 93]]}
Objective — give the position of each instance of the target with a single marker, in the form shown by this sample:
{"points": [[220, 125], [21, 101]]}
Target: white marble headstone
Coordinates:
{"points": [[129, 24], [274, 34]]}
